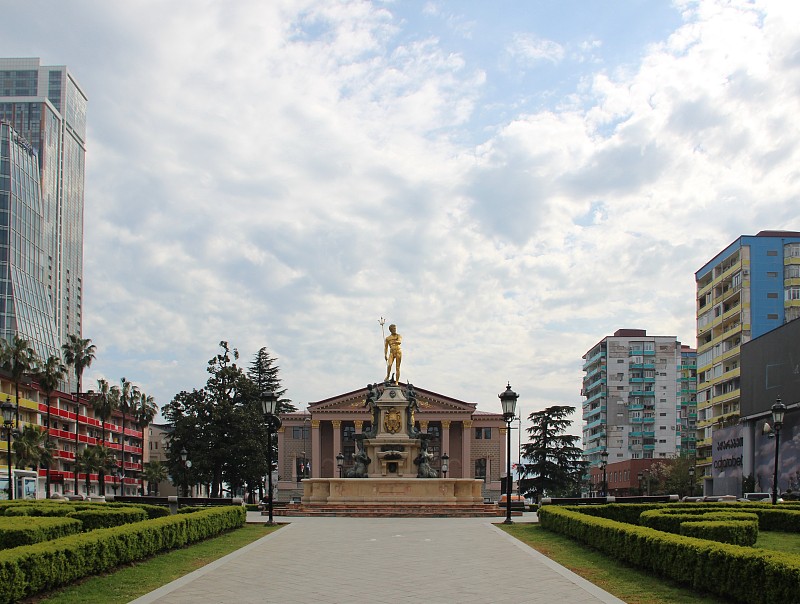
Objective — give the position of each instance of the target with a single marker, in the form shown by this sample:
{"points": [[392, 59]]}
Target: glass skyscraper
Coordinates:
{"points": [[43, 149]]}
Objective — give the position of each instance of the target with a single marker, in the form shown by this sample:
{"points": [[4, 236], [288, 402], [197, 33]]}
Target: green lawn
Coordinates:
{"points": [[629, 584], [130, 582]]}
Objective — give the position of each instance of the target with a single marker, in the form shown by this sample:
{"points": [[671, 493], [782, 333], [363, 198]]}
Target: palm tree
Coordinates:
{"points": [[128, 397], [18, 358], [31, 448], [88, 462], [145, 410], [154, 473], [49, 375], [79, 354], [104, 401]]}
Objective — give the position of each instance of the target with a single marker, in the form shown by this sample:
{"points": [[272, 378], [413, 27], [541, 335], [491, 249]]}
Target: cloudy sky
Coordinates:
{"points": [[507, 181]]}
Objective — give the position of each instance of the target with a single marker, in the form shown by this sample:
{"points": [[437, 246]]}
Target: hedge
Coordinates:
{"points": [[738, 573], [670, 520], [28, 530], [736, 532], [25, 571], [93, 519]]}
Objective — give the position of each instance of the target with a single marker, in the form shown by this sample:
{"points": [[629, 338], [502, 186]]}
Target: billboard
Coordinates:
{"points": [[788, 457], [770, 369], [727, 454]]}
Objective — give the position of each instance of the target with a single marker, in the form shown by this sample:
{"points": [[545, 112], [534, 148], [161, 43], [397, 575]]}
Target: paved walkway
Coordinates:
{"points": [[382, 560]]}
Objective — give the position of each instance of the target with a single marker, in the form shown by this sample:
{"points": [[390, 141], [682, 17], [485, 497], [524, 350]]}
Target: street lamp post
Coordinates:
{"points": [[186, 465], [778, 411], [340, 463], [603, 464], [8, 424], [647, 482], [641, 483], [445, 459], [691, 481], [508, 401], [269, 404]]}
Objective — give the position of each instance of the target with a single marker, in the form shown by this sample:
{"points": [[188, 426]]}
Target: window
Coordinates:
{"points": [[772, 316], [791, 250], [480, 468], [793, 293], [300, 432], [483, 433], [772, 274], [772, 294], [772, 252], [792, 271]]}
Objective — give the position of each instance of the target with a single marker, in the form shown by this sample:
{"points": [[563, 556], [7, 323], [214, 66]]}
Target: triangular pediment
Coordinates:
{"points": [[428, 401]]}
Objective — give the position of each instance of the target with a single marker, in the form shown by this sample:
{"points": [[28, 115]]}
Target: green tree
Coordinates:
{"points": [[49, 375], [78, 354], [127, 398], [553, 463], [87, 461], [154, 473], [19, 359], [105, 400], [31, 448]]}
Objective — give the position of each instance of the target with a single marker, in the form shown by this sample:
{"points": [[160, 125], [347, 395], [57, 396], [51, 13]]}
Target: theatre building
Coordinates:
{"points": [[310, 442]]}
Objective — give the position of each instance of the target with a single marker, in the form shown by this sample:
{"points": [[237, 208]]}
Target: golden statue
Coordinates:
{"points": [[392, 353]]}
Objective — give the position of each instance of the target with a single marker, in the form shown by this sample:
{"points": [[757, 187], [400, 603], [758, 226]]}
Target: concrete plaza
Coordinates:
{"points": [[382, 560]]}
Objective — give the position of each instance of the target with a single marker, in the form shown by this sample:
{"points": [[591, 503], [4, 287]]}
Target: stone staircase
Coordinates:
{"points": [[396, 510]]}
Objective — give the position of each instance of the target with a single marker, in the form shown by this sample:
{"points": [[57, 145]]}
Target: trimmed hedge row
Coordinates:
{"points": [[94, 519], [784, 518], [739, 573], [735, 532], [27, 531], [672, 521], [25, 571]]}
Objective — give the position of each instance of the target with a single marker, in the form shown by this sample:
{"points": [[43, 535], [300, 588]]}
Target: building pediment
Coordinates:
{"points": [[355, 402]]}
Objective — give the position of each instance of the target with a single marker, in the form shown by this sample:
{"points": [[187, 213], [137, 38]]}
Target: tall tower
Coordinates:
{"points": [[639, 394], [746, 290], [45, 107]]}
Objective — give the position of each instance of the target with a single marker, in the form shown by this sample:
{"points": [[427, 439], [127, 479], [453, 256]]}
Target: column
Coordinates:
{"points": [[281, 452], [466, 450], [423, 426], [503, 447], [316, 450], [446, 436], [337, 443], [359, 423]]}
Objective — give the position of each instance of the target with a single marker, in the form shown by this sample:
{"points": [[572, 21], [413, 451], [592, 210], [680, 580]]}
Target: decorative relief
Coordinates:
{"points": [[337, 423], [359, 424], [467, 423], [423, 425], [315, 424], [392, 422], [446, 424]]}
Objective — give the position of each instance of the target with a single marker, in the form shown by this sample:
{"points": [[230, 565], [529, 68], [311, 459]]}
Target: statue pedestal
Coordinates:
{"points": [[391, 491]]}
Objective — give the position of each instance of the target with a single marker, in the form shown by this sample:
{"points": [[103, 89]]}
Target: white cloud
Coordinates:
{"points": [[283, 174]]}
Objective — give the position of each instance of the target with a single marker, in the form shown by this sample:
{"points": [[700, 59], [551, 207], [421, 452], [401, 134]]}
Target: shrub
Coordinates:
{"points": [[736, 532], [28, 530], [737, 573], [95, 518], [25, 571]]}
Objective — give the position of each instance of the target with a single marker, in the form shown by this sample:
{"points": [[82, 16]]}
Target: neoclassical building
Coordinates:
{"points": [[309, 442]]}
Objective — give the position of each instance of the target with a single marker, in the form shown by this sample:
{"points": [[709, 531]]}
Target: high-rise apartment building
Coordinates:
{"points": [[640, 397], [43, 110], [746, 290]]}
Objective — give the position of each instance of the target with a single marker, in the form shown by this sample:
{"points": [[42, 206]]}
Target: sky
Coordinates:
{"points": [[508, 182]]}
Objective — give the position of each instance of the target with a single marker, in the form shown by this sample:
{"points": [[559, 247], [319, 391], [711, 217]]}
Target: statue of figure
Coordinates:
{"points": [[373, 394], [423, 460], [392, 353], [362, 460], [413, 407]]}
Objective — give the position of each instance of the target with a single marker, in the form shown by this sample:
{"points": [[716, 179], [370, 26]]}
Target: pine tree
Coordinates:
{"points": [[553, 463]]}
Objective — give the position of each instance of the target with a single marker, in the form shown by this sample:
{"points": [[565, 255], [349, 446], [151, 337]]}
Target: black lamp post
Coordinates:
{"points": [[641, 484], [778, 411], [186, 465], [603, 464], [691, 481], [647, 482], [445, 467], [8, 424], [269, 404], [340, 463], [508, 400]]}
